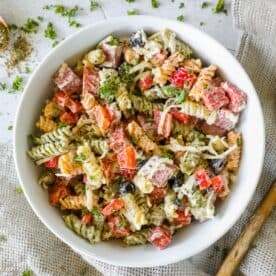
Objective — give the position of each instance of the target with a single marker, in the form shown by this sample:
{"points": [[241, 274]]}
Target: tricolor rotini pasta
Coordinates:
{"points": [[138, 140]]}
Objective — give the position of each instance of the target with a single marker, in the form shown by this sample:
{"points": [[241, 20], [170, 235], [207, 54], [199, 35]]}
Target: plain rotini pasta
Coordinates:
{"points": [[73, 202], [192, 64]]}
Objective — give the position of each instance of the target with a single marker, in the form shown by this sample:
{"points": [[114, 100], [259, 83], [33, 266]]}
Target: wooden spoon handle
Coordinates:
{"points": [[250, 231]]}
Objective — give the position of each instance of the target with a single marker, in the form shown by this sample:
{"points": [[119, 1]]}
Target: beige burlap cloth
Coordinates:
{"points": [[26, 244]]}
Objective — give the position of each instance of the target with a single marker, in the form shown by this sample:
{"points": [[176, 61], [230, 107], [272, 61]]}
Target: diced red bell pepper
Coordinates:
{"points": [[218, 184], [157, 195], [180, 116], [53, 163], [145, 83], [69, 118], [74, 106], [127, 158], [203, 178], [118, 227], [61, 98], [183, 78], [160, 237], [182, 219], [113, 206], [87, 219], [117, 139], [167, 126], [102, 117]]}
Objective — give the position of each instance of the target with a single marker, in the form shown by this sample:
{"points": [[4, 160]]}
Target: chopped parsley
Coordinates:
{"points": [[55, 43], [93, 5], [121, 224], [79, 158], [180, 18], [220, 7], [132, 12], [3, 86], [114, 42], [201, 23], [205, 85], [181, 5], [74, 23], [239, 142], [95, 213], [155, 4], [180, 98], [130, 1], [19, 190], [40, 18], [62, 125], [17, 84], [109, 89], [167, 155], [10, 127], [50, 31], [27, 69], [30, 26], [27, 273], [204, 5], [92, 177], [124, 74], [12, 27]]}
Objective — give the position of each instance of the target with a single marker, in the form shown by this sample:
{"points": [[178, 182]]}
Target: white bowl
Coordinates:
{"points": [[194, 238]]}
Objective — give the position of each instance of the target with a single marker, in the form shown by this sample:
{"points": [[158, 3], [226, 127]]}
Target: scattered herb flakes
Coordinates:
{"points": [[108, 89], [181, 5], [27, 273], [95, 213], [155, 4], [132, 12], [74, 23], [204, 5], [30, 26], [224, 253], [180, 18], [12, 27], [3, 86], [27, 70], [3, 238], [114, 42], [40, 18], [17, 84], [239, 142], [62, 125], [94, 5], [121, 224], [20, 51], [201, 23], [55, 43], [79, 158], [167, 155], [180, 98], [50, 31], [130, 1], [10, 127], [220, 7], [19, 190]]}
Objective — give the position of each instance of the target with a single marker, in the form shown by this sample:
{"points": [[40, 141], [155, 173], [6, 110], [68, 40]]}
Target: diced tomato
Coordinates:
{"points": [[118, 227], [102, 117], [127, 158], [157, 195], [69, 118], [74, 106], [87, 219], [117, 139], [61, 98], [218, 184], [145, 83], [160, 237], [180, 116], [167, 126], [56, 192], [182, 218], [128, 174], [204, 180], [113, 206], [183, 78], [53, 163]]}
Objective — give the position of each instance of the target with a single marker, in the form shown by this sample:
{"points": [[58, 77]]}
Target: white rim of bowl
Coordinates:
{"points": [[173, 259]]}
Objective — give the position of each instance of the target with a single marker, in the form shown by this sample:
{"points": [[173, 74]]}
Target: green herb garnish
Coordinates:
{"points": [[167, 155], [74, 23], [79, 158], [40, 18], [108, 89], [62, 125], [239, 142], [12, 27], [50, 31], [124, 74], [27, 273], [181, 5], [92, 178], [10, 127], [204, 5], [132, 12], [55, 43], [93, 5], [3, 86], [19, 190], [30, 26], [130, 1], [172, 90], [95, 213], [17, 84], [180, 98], [155, 4], [180, 18], [201, 23], [220, 7], [114, 41], [27, 69], [121, 224]]}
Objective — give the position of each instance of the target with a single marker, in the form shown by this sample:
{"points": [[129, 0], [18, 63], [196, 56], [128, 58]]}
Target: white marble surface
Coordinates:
{"points": [[218, 26]]}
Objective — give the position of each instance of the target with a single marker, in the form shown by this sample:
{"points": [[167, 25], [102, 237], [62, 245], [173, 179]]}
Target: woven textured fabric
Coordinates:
{"points": [[25, 243]]}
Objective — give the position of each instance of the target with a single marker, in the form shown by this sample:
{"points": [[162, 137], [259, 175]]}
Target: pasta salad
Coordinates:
{"points": [[138, 140]]}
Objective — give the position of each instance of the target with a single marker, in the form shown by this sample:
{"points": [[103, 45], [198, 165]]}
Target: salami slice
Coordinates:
{"points": [[215, 98], [91, 80]]}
